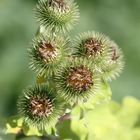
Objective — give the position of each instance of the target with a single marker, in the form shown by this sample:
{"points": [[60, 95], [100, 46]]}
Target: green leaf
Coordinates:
{"points": [[131, 108], [104, 94], [14, 125], [114, 121], [65, 131], [72, 129], [80, 128], [30, 131], [33, 131]]}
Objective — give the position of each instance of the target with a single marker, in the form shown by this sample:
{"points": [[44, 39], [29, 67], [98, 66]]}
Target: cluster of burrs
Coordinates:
{"points": [[70, 70]]}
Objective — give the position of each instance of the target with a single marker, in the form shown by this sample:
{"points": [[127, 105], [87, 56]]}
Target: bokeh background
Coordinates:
{"points": [[119, 19]]}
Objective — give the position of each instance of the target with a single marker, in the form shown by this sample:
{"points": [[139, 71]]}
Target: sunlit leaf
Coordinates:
{"points": [[14, 125]]}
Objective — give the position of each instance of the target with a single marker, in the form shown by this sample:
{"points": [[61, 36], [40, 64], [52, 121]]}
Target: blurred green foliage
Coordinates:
{"points": [[105, 122], [119, 19]]}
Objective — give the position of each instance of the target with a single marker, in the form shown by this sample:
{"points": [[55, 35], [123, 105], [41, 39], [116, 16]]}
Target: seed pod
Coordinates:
{"points": [[57, 15], [47, 54], [114, 66], [93, 46], [39, 107], [77, 80]]}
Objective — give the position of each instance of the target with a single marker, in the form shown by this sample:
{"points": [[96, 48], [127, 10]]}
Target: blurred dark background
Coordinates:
{"points": [[119, 19]]}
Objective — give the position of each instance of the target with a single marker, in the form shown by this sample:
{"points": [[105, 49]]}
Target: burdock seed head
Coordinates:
{"points": [[114, 66], [47, 53], [40, 107], [57, 15], [77, 79], [93, 46]]}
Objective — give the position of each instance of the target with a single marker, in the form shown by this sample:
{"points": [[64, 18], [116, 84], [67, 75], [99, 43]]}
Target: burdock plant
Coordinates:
{"points": [[72, 71]]}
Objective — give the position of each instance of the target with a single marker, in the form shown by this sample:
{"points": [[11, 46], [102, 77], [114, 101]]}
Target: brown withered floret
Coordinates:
{"points": [[80, 78], [40, 107], [93, 46], [57, 3], [47, 51], [114, 53]]}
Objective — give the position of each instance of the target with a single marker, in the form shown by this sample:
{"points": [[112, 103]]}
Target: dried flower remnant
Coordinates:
{"points": [[47, 51], [114, 66], [57, 3], [93, 46], [114, 53], [40, 107], [80, 78]]}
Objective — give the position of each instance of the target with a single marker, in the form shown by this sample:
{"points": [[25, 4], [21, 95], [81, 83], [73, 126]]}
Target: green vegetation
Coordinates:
{"points": [[99, 118]]}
